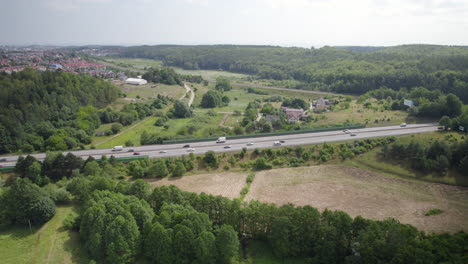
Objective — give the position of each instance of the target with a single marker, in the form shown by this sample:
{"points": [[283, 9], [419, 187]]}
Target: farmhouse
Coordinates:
{"points": [[321, 104], [136, 81], [294, 115]]}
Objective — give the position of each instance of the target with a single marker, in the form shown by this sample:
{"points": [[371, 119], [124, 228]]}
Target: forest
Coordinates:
{"points": [[50, 111], [122, 222], [332, 69]]}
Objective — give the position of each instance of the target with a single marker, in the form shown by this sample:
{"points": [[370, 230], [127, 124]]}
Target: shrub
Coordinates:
{"points": [[72, 222], [250, 177], [244, 191], [262, 164], [433, 212]]}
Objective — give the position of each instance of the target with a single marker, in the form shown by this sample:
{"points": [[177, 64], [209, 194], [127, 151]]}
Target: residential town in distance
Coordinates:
{"points": [[42, 58]]}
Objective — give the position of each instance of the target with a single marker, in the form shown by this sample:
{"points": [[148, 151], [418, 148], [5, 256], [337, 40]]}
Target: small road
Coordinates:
{"points": [[174, 150]]}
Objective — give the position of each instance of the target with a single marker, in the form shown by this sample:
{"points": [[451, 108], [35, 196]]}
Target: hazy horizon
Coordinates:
{"points": [[298, 23]]}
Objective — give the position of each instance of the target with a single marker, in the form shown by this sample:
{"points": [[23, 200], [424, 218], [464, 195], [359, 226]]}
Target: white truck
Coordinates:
{"points": [[117, 148], [221, 140]]}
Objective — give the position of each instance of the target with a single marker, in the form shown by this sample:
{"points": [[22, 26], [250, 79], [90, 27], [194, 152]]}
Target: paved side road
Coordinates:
{"points": [[173, 150]]}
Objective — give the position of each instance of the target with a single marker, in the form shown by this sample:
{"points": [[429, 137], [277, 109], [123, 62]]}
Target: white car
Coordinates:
{"points": [[250, 144], [346, 131], [277, 143], [162, 151], [190, 150]]}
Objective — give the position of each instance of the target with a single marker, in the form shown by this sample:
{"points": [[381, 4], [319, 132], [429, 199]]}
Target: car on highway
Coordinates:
{"points": [[136, 153], [186, 146], [130, 150], [250, 144], [3, 159], [227, 147], [403, 125], [163, 151], [282, 141], [353, 135], [117, 148], [190, 150], [346, 131], [440, 128], [276, 143]]}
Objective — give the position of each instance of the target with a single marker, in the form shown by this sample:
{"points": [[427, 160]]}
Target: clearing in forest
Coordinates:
{"points": [[366, 193]]}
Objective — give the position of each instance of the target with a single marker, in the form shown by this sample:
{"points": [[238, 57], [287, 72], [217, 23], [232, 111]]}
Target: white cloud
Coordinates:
{"points": [[70, 5]]}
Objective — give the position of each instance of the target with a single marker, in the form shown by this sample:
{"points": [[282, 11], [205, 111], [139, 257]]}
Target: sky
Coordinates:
{"points": [[302, 23]]}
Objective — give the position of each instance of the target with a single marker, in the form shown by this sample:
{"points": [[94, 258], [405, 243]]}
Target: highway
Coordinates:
{"points": [[173, 150]]}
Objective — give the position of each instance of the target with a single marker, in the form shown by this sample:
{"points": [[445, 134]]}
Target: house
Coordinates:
{"points": [[321, 104], [294, 115], [272, 118], [136, 81]]}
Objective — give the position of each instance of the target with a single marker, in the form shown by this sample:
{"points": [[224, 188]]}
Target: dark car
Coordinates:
{"points": [[282, 141], [186, 146], [136, 153], [3, 159]]}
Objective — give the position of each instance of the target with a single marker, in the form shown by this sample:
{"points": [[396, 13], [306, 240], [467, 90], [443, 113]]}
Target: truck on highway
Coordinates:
{"points": [[117, 148], [221, 140]]}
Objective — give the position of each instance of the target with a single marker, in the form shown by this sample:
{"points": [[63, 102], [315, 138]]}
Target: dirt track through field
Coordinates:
{"points": [[369, 194], [225, 184]]}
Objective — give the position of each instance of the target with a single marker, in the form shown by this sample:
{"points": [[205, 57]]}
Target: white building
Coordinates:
{"points": [[136, 81]]}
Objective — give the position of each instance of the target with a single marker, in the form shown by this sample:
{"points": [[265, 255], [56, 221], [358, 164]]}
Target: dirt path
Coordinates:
{"points": [[226, 116], [192, 94], [52, 242]]}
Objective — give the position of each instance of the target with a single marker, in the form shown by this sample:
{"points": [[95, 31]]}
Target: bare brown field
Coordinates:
{"points": [[366, 193], [228, 184]]}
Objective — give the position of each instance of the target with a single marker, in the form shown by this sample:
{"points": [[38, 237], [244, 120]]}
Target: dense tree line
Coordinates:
{"points": [[327, 237], [427, 103], [330, 69], [438, 156], [50, 110], [163, 75]]}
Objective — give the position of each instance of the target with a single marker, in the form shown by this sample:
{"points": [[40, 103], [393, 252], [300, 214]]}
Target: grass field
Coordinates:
{"points": [[49, 243], [228, 184], [134, 64], [357, 113], [203, 123], [366, 193], [350, 189], [212, 75]]}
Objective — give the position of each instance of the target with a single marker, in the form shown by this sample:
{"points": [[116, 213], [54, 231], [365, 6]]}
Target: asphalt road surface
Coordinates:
{"points": [[173, 150]]}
